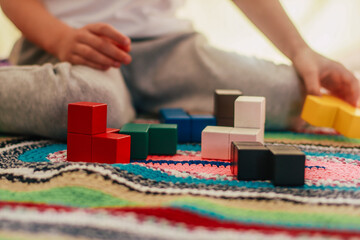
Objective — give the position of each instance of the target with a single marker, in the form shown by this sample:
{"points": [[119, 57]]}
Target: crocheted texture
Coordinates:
{"points": [[43, 196]]}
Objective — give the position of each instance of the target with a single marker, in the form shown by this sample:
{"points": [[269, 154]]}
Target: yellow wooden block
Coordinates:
{"points": [[319, 111], [329, 111]]}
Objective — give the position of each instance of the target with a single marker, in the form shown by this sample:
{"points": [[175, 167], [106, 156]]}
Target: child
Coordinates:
{"points": [[74, 49]]}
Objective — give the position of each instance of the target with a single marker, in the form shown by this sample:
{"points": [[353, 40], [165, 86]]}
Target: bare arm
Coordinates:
{"points": [[96, 45], [316, 70]]}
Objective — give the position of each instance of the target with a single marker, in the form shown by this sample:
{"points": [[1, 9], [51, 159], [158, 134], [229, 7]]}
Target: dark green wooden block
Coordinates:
{"points": [[163, 139], [139, 139]]}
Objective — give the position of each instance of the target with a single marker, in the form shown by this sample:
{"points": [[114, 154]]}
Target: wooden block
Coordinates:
{"points": [[249, 112], [320, 111], [347, 121], [247, 135], [198, 123], [111, 148], [250, 161], [288, 166], [79, 147], [87, 118], [329, 111], [224, 104], [215, 142], [163, 139], [139, 139], [227, 122], [181, 118]]}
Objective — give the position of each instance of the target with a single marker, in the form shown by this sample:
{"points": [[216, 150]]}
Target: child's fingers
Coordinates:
{"points": [[110, 32], [90, 54], [312, 83], [78, 60], [106, 47]]}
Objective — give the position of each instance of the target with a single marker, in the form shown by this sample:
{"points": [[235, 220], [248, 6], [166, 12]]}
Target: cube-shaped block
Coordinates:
{"points": [[320, 111], [247, 135], [111, 148], [224, 104], [288, 166], [347, 122], [228, 122], [198, 123], [251, 161], [163, 139], [79, 147], [181, 118], [215, 142], [249, 112], [139, 139], [87, 118]]}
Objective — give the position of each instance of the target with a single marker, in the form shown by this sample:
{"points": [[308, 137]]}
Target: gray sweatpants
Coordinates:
{"points": [[180, 70]]}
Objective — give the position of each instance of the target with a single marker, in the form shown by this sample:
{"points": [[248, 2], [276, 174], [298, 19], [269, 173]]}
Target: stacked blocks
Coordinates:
{"points": [[249, 120], [283, 165], [224, 106], [329, 111], [160, 139], [189, 126], [88, 138]]}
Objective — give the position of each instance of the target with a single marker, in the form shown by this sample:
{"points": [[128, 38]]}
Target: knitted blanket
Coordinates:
{"points": [[42, 196]]}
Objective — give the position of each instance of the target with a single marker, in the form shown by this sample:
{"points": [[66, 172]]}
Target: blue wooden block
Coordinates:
{"points": [[181, 118], [198, 123]]}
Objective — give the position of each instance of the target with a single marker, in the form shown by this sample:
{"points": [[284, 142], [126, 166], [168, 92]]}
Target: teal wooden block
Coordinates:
{"points": [[139, 139], [163, 139]]}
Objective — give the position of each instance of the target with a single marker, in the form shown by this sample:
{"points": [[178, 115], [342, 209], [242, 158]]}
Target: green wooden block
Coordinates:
{"points": [[139, 139], [163, 139]]}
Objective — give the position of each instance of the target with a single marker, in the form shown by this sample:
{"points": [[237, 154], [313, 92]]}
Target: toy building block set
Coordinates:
{"points": [[235, 133]]}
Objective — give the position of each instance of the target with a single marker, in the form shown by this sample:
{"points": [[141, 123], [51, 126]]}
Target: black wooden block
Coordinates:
{"points": [[288, 165], [250, 161], [224, 103]]}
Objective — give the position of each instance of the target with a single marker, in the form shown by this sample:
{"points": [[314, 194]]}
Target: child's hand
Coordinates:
{"points": [[96, 45], [318, 71]]}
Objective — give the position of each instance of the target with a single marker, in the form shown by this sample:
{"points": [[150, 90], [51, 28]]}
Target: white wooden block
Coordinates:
{"points": [[246, 135], [215, 142], [249, 112]]}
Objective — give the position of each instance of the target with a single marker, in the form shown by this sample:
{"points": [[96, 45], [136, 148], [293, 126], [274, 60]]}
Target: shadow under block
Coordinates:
{"points": [[215, 142], [224, 103], [79, 147], [198, 123], [247, 135], [181, 118], [87, 118], [288, 165], [139, 139], [250, 161], [111, 148], [249, 112], [329, 111], [163, 139]]}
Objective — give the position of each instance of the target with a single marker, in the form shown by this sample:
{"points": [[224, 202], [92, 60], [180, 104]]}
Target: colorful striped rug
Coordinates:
{"points": [[42, 196]]}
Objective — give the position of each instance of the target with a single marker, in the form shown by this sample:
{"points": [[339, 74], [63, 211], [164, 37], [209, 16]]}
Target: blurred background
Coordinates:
{"points": [[329, 26]]}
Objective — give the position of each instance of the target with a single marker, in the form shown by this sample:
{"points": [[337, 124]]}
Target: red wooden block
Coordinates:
{"points": [[112, 130], [111, 148], [87, 118], [79, 147]]}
